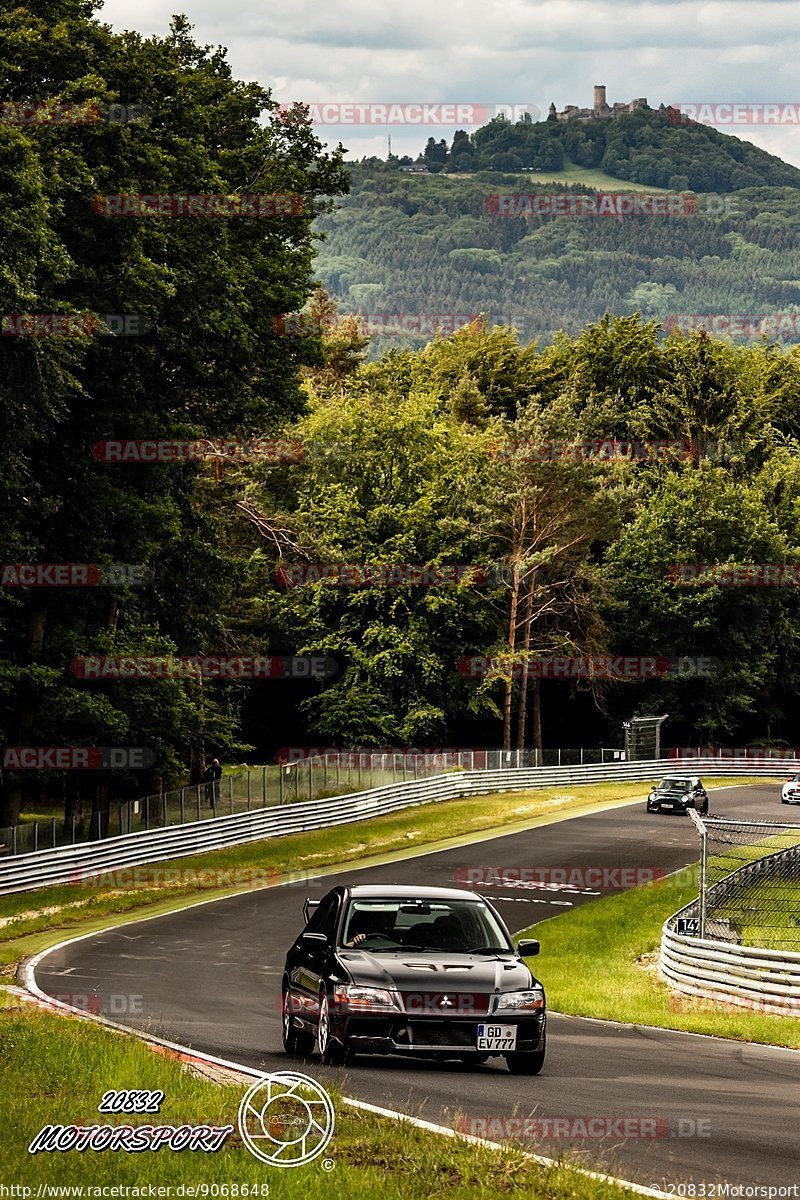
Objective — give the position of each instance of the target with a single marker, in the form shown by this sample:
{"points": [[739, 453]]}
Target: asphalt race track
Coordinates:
{"points": [[210, 976]]}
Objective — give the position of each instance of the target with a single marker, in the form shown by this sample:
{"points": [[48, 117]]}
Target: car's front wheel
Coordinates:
{"points": [[332, 1051], [295, 1041], [529, 1063]]}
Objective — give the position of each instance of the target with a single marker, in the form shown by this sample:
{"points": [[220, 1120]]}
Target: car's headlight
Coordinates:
{"points": [[531, 1000], [352, 995]]}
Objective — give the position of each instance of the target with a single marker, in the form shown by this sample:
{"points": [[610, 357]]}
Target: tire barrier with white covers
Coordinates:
{"points": [[73, 864]]}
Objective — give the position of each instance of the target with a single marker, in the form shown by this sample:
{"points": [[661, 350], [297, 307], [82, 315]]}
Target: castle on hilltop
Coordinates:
{"points": [[600, 111]]}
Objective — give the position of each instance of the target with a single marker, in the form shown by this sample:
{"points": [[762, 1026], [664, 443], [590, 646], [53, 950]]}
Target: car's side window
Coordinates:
{"points": [[323, 919]]}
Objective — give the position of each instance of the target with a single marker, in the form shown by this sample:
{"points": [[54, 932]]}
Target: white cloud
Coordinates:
{"points": [[522, 52]]}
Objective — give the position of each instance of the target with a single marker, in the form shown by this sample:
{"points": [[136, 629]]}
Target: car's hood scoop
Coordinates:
{"points": [[404, 971]]}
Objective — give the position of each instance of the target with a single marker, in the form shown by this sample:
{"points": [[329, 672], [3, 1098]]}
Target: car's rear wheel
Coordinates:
{"points": [[295, 1041], [529, 1063], [332, 1051]]}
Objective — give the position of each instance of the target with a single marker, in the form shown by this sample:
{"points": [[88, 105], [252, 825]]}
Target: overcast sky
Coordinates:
{"points": [[515, 52]]}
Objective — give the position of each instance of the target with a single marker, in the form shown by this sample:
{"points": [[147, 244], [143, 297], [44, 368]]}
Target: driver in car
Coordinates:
{"points": [[378, 923]]}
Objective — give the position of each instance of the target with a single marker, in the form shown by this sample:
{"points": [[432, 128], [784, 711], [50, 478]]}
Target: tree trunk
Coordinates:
{"points": [[112, 613], [512, 645], [197, 761], [526, 645], [101, 804], [536, 716], [197, 766]]}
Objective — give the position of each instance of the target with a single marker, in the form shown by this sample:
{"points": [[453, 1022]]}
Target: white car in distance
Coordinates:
{"points": [[790, 793]]}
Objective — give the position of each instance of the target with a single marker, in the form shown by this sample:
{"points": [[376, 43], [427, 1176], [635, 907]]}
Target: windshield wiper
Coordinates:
{"points": [[489, 950]]}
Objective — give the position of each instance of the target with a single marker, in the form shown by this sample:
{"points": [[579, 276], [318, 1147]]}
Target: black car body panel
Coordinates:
{"points": [[440, 997]]}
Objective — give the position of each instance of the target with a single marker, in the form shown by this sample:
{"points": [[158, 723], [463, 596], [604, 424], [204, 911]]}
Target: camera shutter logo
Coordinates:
{"points": [[286, 1119]]}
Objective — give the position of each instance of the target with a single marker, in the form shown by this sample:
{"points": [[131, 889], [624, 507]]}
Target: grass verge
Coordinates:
{"points": [[601, 961], [28, 919], [54, 1070], [591, 177]]}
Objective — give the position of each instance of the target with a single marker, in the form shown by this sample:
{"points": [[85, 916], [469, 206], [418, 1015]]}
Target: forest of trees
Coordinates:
{"points": [[402, 460], [404, 244]]}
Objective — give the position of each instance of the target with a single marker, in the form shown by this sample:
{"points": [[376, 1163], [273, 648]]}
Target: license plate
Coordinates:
{"points": [[497, 1037]]}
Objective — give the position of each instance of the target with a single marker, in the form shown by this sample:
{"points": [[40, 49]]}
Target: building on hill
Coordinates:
{"points": [[601, 110]]}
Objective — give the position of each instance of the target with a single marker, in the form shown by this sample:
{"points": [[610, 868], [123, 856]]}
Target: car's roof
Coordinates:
{"points": [[411, 892], [676, 778]]}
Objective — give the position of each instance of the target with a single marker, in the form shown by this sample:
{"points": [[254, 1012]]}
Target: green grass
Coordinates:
{"points": [[600, 961], [766, 914], [591, 177], [28, 920], [54, 1070]]}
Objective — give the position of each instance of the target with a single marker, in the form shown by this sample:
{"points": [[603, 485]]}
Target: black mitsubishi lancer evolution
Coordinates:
{"points": [[422, 972]]}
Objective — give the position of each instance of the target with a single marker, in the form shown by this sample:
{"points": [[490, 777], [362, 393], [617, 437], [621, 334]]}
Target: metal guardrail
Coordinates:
{"points": [[747, 976], [74, 864], [311, 777], [722, 970]]}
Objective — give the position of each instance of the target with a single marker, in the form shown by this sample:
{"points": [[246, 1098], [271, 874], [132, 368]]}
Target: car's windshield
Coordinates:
{"points": [[457, 926], [675, 785]]}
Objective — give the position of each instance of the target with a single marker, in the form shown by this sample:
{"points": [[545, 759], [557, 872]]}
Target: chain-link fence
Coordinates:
{"points": [[244, 788], [750, 883]]}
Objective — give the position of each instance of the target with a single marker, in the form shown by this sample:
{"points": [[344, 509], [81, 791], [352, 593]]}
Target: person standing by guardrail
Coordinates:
{"points": [[212, 779]]}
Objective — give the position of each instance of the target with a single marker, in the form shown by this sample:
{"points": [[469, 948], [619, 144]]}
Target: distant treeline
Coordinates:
{"points": [[661, 148]]}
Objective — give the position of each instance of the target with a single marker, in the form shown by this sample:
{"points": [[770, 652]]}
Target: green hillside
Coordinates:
{"points": [[401, 244], [430, 244], [659, 148]]}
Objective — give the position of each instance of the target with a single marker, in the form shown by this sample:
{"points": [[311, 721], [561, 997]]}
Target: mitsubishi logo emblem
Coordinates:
{"points": [[445, 1002]]}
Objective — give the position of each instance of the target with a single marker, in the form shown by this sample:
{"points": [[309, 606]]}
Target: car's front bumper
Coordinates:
{"points": [[790, 797], [433, 1035], [680, 806]]}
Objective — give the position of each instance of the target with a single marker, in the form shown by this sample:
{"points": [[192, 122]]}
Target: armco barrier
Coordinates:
{"points": [[747, 976], [68, 864]]}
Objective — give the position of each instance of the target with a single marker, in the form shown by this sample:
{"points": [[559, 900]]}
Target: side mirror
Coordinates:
{"points": [[528, 947], [309, 907], [314, 938]]}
